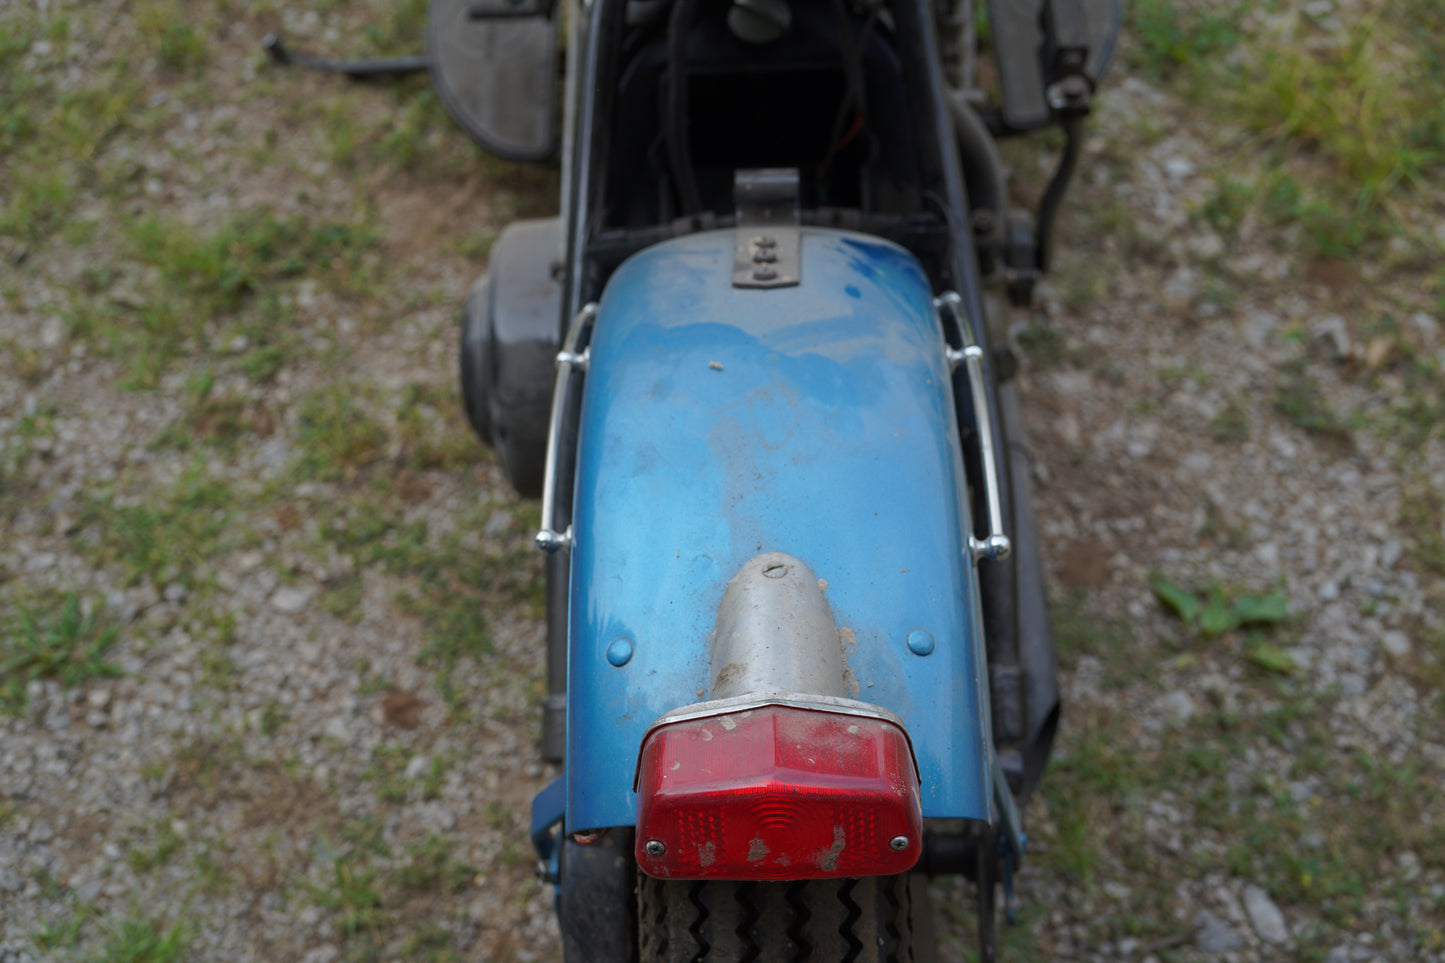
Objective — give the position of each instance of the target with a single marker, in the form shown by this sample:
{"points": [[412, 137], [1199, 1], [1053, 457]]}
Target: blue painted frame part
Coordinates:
{"points": [[718, 423]]}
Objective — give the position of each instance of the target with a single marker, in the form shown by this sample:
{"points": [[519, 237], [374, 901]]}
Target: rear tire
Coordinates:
{"points": [[867, 920]]}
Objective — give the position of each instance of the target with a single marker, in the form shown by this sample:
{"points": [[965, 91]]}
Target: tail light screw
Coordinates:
{"points": [[898, 844], [655, 848]]}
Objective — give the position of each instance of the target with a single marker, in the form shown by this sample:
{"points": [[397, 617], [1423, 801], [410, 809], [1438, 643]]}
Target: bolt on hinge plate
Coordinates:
{"points": [[765, 252]]}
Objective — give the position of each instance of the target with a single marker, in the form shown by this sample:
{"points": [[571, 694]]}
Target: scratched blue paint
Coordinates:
{"points": [[718, 423]]}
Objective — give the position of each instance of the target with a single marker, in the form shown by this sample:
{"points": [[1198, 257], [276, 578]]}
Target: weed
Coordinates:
{"points": [[1231, 425], [338, 436], [398, 30], [1335, 228], [431, 785], [1215, 526], [167, 842], [1215, 613], [60, 934], [431, 867], [1341, 96], [171, 538], [1045, 345], [1422, 514], [1300, 399], [38, 203], [432, 430], [431, 943], [138, 939], [253, 251], [69, 647], [342, 597], [388, 771], [351, 893], [222, 420], [1226, 208], [1094, 771], [1076, 633], [1170, 42], [273, 716]]}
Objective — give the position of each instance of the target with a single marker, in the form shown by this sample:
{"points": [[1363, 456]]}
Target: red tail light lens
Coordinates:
{"points": [[777, 792]]}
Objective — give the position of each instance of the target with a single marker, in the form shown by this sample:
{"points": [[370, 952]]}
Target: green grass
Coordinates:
{"points": [[52, 134], [1170, 42], [171, 536], [1300, 399], [1077, 633], [1045, 345], [165, 843], [388, 771], [222, 268], [1353, 106], [62, 644], [139, 939], [337, 433], [1231, 425], [350, 892], [223, 286], [1422, 514], [432, 867]]}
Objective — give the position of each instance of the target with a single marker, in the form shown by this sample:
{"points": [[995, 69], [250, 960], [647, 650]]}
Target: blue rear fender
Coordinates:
{"points": [[720, 423]]}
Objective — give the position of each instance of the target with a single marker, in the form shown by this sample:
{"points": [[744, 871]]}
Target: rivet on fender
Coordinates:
{"points": [[619, 653], [920, 642]]}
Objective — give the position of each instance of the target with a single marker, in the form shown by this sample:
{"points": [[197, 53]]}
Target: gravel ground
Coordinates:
{"points": [[271, 618]]}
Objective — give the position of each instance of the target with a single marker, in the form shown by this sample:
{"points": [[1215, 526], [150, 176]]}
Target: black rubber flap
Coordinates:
{"points": [[496, 77]]}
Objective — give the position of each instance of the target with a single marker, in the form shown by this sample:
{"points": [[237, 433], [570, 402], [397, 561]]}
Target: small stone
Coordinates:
{"points": [[1181, 287], [1177, 706], [52, 332], [175, 592], [40, 832], [1208, 246], [97, 719], [1213, 935], [1264, 915], [290, 599], [415, 767], [497, 523], [1396, 643], [1329, 591], [1391, 552], [1425, 328], [98, 698], [338, 728], [1332, 333], [1179, 168], [1198, 462]]}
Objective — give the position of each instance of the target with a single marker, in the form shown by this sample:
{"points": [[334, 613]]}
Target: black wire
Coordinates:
{"points": [[855, 94], [679, 151], [1049, 205]]}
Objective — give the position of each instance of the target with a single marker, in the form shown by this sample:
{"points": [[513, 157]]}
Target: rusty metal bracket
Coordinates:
{"points": [[766, 250]]}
